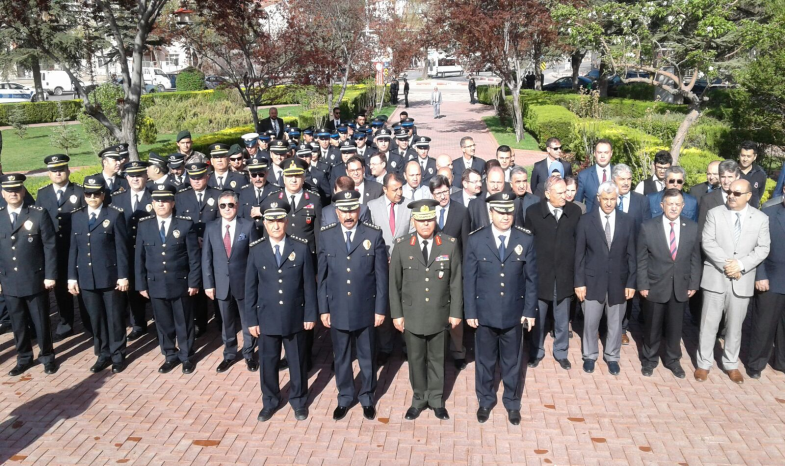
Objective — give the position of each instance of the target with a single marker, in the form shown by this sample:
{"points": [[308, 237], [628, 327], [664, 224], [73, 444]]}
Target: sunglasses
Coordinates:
{"points": [[98, 194], [737, 193], [557, 149], [230, 205], [675, 181]]}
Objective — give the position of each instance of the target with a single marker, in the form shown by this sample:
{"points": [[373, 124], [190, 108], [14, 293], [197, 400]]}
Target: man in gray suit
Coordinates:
{"points": [[436, 101], [735, 240]]}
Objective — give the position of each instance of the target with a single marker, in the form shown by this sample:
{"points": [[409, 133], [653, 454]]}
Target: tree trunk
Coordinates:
{"points": [[517, 114], [575, 60], [35, 65], [329, 99], [538, 76], [603, 84], [684, 128], [344, 83]]}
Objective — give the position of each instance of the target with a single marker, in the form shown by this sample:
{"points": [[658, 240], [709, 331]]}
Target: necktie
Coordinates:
{"points": [[608, 234], [672, 242], [557, 214], [199, 200], [91, 222], [162, 231], [425, 251], [501, 247], [604, 176], [136, 202], [14, 216], [60, 198], [109, 184], [258, 196], [280, 178], [348, 241], [441, 220], [711, 188], [737, 229], [292, 202], [278, 257], [621, 203], [275, 126], [392, 219], [228, 242], [221, 182]]}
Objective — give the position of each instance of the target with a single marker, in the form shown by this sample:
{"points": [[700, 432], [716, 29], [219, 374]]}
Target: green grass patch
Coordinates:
{"points": [[506, 135]]}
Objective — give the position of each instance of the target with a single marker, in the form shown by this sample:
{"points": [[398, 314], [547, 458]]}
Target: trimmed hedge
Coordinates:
{"points": [[626, 142], [33, 183], [41, 112], [190, 79], [636, 91], [548, 121]]}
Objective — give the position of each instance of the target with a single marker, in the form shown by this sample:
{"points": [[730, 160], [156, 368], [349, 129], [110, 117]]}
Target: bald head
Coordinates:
{"points": [[739, 195], [443, 160], [446, 172]]}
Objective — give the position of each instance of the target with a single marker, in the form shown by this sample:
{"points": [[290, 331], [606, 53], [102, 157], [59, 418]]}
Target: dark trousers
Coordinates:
{"points": [[502, 345], [561, 329], [201, 311], [471, 97], [269, 355], [33, 310], [232, 318], [65, 309], [5, 318], [107, 319], [138, 305], [365, 341], [174, 320], [426, 368], [659, 316], [633, 307], [768, 328], [406, 99]]}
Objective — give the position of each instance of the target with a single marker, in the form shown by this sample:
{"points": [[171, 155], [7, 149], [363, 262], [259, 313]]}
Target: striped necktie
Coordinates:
{"points": [[672, 242]]}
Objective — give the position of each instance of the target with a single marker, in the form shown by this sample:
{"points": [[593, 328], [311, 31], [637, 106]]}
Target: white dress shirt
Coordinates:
{"points": [[167, 222], [607, 169], [439, 210], [429, 246], [553, 210], [612, 220], [352, 231], [666, 223], [97, 212], [108, 179], [56, 189], [16, 211], [297, 197], [624, 200], [467, 198], [660, 185], [360, 188], [282, 245], [497, 233], [232, 225]]}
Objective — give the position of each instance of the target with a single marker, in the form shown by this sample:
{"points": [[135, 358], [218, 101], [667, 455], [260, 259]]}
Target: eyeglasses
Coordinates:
{"points": [[557, 149], [98, 194], [256, 175], [441, 193], [354, 170], [230, 205], [737, 193], [468, 147], [675, 181]]}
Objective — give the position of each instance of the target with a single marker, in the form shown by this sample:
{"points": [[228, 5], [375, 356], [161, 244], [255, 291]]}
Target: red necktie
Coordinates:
{"points": [[228, 242], [672, 243], [604, 176], [392, 218]]}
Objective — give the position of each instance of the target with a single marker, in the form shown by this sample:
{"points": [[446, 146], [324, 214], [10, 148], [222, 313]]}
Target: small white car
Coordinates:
{"points": [[14, 92]]}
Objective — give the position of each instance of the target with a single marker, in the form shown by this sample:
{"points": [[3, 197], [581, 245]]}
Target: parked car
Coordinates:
{"points": [[211, 82], [15, 92], [565, 83]]}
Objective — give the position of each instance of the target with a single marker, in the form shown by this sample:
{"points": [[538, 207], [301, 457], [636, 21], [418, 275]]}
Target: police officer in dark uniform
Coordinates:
{"points": [[422, 144], [279, 151], [169, 273], [111, 158], [222, 176], [402, 147], [395, 163], [98, 269], [59, 199], [500, 294], [348, 150], [280, 303], [315, 179], [252, 195], [327, 153], [353, 291], [177, 175], [28, 267], [137, 203], [157, 171], [425, 301], [305, 216]]}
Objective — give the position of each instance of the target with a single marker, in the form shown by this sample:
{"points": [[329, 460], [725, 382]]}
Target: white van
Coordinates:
{"points": [[157, 78], [56, 82], [441, 65]]}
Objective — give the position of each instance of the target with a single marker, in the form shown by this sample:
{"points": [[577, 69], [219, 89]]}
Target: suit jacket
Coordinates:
{"points": [[604, 272], [27, 252], [522, 204], [691, 209], [436, 97], [773, 268], [588, 184], [333, 125], [639, 209], [554, 243], [329, 216], [266, 125], [499, 291], [98, 256], [280, 299], [371, 190], [352, 285], [700, 190], [380, 216], [708, 202], [426, 295], [453, 225], [540, 172], [227, 274], [658, 272], [753, 247], [457, 197], [167, 270], [459, 165]]}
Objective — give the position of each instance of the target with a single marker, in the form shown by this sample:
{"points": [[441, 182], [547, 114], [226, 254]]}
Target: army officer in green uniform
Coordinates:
{"points": [[425, 301]]}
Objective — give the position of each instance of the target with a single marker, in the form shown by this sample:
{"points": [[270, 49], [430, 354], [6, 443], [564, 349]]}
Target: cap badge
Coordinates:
{"points": [[11, 178], [347, 195], [506, 197], [424, 208], [193, 167], [161, 187], [55, 159]]}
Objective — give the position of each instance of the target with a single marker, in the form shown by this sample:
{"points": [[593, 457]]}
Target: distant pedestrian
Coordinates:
{"points": [[405, 92], [472, 90], [436, 101]]}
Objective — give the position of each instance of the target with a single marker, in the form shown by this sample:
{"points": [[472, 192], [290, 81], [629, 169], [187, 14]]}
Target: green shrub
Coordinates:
{"points": [[706, 134], [629, 144], [636, 91], [40, 112], [201, 143], [33, 183], [190, 79], [548, 121], [107, 96], [694, 162]]}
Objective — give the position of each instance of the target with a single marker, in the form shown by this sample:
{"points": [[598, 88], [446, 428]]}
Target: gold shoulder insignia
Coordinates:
{"points": [[45, 186], [119, 209], [327, 227], [302, 240], [371, 225], [399, 239], [246, 187], [256, 242], [117, 193]]}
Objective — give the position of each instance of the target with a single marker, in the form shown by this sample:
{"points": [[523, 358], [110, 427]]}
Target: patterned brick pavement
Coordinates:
{"points": [[569, 417]]}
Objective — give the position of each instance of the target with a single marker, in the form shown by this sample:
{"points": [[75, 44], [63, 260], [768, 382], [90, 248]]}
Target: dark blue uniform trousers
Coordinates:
{"points": [[232, 319], [502, 345], [365, 341], [106, 310], [33, 310], [174, 320], [269, 355]]}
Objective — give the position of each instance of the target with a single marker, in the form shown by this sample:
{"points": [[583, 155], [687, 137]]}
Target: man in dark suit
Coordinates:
{"points": [[136, 203], [336, 121], [224, 259], [471, 183], [478, 215], [519, 182], [60, 198], [675, 177], [353, 300], [752, 172], [553, 222], [169, 273], [605, 272], [669, 271], [500, 294], [283, 262], [467, 160], [729, 172], [98, 269], [28, 261], [542, 170], [368, 189], [272, 123], [711, 184], [590, 178], [450, 219]]}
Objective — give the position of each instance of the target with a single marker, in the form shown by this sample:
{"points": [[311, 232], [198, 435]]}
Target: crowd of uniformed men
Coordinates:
{"points": [[343, 229]]}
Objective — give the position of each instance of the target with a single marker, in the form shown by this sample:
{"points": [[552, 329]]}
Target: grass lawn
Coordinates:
{"points": [[506, 135]]}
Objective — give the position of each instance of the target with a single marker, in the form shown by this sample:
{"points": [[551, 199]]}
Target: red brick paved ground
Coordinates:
{"points": [[142, 417]]}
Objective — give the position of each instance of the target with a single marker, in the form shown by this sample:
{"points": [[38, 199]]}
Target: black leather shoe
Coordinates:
{"points": [[118, 367], [265, 415], [283, 364], [340, 413], [63, 336], [301, 414], [369, 412], [252, 365], [441, 414], [613, 368], [100, 365], [678, 372], [588, 365], [565, 364], [168, 366], [223, 366], [514, 416], [483, 414], [4, 328], [51, 368], [188, 367], [460, 364], [136, 334], [647, 371], [534, 362], [382, 358], [412, 413], [19, 369], [753, 374]]}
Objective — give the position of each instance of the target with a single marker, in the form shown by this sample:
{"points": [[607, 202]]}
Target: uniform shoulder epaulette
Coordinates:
{"points": [[79, 184], [117, 193], [327, 227], [79, 208], [119, 209], [184, 218], [246, 187], [2, 208], [475, 231], [399, 239], [256, 242], [214, 188], [528, 232], [184, 189], [371, 225], [313, 191], [45, 186], [302, 240], [121, 190], [36, 207], [146, 218]]}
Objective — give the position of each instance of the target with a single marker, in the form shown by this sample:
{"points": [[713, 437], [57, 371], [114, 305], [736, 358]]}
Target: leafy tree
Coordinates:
{"points": [[64, 135]]}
